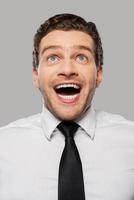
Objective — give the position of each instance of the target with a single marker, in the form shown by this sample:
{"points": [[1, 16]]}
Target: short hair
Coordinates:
{"points": [[68, 22]]}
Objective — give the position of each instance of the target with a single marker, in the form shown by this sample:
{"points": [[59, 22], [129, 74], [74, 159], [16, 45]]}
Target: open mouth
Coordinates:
{"points": [[68, 92]]}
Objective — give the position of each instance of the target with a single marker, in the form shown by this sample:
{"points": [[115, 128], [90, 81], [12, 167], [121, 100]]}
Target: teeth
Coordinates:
{"points": [[68, 97], [68, 85]]}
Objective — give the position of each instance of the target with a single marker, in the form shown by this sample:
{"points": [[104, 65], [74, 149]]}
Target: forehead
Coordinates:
{"points": [[66, 39]]}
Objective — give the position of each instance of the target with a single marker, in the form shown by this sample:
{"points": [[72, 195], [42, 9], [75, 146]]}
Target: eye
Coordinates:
{"points": [[81, 58], [52, 58]]}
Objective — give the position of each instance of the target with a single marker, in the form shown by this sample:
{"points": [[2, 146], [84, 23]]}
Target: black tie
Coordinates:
{"points": [[71, 184]]}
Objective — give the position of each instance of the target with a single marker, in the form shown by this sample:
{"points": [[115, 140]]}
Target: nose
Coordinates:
{"points": [[68, 69]]}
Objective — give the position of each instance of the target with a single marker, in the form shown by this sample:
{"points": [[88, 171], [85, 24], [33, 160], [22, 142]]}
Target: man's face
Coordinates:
{"points": [[67, 74]]}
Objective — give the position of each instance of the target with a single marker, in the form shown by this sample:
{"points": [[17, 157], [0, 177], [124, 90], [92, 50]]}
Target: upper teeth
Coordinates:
{"points": [[68, 85]]}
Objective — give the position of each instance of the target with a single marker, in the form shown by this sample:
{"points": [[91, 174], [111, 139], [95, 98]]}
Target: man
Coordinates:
{"points": [[67, 68]]}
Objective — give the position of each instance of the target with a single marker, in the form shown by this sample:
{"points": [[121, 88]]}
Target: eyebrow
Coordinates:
{"points": [[50, 47], [80, 47]]}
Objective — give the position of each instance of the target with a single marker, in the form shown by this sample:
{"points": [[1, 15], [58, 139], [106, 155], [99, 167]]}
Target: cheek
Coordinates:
{"points": [[46, 83], [43, 77], [90, 77], [46, 74]]}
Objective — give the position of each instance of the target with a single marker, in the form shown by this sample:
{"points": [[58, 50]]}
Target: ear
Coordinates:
{"points": [[35, 77], [99, 76]]}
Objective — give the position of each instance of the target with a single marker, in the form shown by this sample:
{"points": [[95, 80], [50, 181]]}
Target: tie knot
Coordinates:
{"points": [[68, 128]]}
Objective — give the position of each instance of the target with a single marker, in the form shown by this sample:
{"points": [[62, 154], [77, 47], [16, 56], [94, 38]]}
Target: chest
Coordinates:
{"points": [[32, 172]]}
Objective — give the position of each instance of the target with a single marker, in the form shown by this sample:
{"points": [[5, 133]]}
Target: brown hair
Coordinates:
{"points": [[68, 22]]}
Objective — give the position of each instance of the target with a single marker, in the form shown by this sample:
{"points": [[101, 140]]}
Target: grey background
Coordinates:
{"points": [[18, 23]]}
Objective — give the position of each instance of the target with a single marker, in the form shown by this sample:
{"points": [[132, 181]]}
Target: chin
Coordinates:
{"points": [[68, 117]]}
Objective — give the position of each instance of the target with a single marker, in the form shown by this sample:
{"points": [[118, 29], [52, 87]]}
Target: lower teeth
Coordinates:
{"points": [[68, 97]]}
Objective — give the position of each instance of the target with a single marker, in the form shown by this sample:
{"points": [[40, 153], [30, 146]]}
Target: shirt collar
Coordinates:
{"points": [[87, 122], [49, 122]]}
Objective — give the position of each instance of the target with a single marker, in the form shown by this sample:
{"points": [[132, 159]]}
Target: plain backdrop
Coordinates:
{"points": [[19, 20]]}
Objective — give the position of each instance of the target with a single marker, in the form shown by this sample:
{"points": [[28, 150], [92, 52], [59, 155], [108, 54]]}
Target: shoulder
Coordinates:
{"points": [[110, 118], [30, 122], [114, 121], [23, 135], [115, 130]]}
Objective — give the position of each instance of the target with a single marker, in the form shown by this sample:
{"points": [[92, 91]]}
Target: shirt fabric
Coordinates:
{"points": [[31, 148]]}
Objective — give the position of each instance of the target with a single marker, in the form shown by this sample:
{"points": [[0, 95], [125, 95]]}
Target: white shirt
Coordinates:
{"points": [[31, 148]]}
